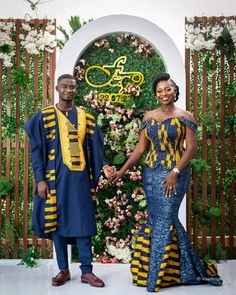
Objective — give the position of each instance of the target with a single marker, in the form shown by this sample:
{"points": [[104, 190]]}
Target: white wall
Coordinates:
{"points": [[167, 14]]}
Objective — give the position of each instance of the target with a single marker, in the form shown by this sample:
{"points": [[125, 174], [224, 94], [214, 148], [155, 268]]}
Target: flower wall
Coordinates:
{"points": [[121, 206]]}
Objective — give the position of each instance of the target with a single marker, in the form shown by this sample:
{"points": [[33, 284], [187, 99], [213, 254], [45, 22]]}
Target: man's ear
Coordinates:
{"points": [[56, 88]]}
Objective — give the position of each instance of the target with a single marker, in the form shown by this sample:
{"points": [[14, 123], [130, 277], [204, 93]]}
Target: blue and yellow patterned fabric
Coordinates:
{"points": [[163, 256], [67, 153], [166, 140], [170, 266]]}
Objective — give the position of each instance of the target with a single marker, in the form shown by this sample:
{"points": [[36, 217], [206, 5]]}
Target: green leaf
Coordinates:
{"points": [[129, 104], [31, 257], [199, 164], [63, 31], [19, 77], [215, 212], [5, 187], [5, 48], [119, 159], [75, 23]]}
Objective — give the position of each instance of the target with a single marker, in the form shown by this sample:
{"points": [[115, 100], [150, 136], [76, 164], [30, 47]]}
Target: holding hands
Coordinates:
{"points": [[169, 182], [116, 175], [107, 170]]}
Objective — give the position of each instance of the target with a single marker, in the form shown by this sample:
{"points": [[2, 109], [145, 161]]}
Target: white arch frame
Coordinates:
{"points": [[107, 25]]}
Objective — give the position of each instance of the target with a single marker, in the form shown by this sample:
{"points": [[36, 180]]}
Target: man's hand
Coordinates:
{"points": [[108, 170], [43, 190]]}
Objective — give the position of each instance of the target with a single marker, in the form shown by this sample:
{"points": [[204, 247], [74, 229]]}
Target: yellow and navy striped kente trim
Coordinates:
{"points": [[90, 124], [50, 210], [211, 268], [49, 122], [169, 271], [141, 256]]}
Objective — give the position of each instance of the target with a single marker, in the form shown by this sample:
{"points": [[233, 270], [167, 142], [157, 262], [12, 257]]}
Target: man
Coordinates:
{"points": [[67, 157]]}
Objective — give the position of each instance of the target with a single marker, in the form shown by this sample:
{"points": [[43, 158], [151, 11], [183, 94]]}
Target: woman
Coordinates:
{"points": [[163, 255]]}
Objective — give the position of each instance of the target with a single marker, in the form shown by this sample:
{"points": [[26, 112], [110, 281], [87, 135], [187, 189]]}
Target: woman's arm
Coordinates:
{"points": [[191, 148], [191, 144], [135, 156]]}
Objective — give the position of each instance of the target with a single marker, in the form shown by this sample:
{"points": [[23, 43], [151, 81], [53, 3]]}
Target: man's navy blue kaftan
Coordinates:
{"points": [[71, 173]]}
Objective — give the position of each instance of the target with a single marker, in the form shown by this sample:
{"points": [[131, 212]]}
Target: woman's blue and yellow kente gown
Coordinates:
{"points": [[163, 255]]}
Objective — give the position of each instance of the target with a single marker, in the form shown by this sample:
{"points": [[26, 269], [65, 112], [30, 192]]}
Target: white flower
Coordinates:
{"points": [[83, 61], [197, 31], [189, 29], [232, 23], [50, 26], [36, 41], [210, 44], [143, 203], [199, 38], [190, 19], [31, 48], [216, 31], [123, 254], [33, 33], [26, 27], [6, 40]]}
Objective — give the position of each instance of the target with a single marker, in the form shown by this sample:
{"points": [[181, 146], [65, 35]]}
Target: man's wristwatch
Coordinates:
{"points": [[176, 170]]}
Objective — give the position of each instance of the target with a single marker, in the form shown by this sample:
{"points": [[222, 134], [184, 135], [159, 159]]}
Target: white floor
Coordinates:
{"points": [[18, 280]]}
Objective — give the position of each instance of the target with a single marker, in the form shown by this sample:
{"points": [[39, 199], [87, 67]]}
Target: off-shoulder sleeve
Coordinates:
{"points": [[143, 125], [189, 123]]}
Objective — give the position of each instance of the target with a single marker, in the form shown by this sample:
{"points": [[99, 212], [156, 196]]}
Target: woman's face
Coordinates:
{"points": [[165, 92]]}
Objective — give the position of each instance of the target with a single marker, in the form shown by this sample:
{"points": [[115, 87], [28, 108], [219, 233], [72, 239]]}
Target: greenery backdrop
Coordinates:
{"points": [[121, 207]]}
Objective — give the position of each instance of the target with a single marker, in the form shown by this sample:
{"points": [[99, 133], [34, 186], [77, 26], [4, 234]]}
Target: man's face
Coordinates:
{"points": [[66, 89]]}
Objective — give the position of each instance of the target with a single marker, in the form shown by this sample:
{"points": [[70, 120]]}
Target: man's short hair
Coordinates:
{"points": [[66, 76]]}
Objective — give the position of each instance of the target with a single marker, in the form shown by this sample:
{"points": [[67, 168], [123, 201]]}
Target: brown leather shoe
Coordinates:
{"points": [[62, 277], [92, 280]]}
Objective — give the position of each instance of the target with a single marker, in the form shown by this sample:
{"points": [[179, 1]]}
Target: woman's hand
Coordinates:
{"points": [[116, 175], [170, 184], [43, 190]]}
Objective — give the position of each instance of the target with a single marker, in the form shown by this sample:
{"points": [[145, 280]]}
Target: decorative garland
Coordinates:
{"points": [[221, 36], [7, 45], [33, 41], [36, 41]]}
